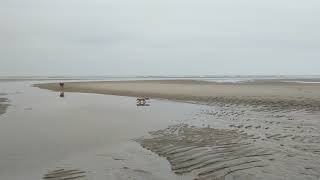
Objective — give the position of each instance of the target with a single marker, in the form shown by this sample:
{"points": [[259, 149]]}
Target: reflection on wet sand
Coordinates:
{"points": [[231, 138], [61, 84], [43, 133]]}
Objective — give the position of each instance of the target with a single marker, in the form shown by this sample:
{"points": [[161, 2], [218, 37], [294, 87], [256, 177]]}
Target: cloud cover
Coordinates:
{"points": [[167, 37]]}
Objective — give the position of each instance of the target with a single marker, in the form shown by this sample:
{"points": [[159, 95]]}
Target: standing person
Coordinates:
{"points": [[61, 89], [61, 85]]}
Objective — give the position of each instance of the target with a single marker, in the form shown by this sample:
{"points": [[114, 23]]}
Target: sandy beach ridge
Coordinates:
{"points": [[281, 95]]}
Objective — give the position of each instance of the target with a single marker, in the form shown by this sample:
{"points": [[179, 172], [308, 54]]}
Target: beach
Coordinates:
{"points": [[190, 130], [159, 90], [253, 130], [87, 135], [284, 95]]}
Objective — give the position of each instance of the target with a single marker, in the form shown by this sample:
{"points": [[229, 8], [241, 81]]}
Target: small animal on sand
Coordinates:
{"points": [[142, 101]]}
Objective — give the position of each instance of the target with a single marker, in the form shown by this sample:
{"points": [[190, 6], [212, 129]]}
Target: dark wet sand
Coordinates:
{"points": [[42, 133], [250, 130], [3, 105]]}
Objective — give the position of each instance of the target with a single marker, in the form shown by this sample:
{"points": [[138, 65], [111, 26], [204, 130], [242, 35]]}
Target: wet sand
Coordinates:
{"points": [[246, 131], [3, 103], [84, 134], [277, 94]]}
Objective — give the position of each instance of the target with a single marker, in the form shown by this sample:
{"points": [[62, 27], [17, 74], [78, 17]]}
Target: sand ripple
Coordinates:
{"points": [[210, 153], [3, 105], [65, 174]]}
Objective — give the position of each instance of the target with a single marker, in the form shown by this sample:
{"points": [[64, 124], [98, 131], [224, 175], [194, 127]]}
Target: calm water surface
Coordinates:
{"points": [[41, 129]]}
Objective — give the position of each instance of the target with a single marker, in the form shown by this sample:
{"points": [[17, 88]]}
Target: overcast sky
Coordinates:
{"points": [[159, 37]]}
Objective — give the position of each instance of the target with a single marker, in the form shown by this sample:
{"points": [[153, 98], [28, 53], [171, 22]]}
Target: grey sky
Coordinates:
{"points": [[159, 37]]}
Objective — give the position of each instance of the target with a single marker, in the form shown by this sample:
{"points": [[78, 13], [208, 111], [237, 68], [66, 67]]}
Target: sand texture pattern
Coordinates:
{"points": [[3, 105], [247, 131]]}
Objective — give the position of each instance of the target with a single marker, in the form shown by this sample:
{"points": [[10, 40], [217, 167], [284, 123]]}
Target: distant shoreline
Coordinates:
{"points": [[296, 79]]}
